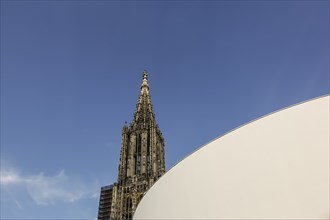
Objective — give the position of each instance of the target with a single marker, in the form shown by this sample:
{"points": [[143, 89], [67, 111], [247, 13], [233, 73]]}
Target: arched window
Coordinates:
{"points": [[128, 203]]}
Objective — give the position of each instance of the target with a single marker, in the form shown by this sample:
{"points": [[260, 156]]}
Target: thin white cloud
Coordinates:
{"points": [[18, 204], [9, 177], [45, 190]]}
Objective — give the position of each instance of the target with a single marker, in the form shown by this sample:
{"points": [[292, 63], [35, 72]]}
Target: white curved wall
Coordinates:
{"points": [[276, 167]]}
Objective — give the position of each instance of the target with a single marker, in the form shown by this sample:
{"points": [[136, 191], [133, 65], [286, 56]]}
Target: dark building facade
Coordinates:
{"points": [[105, 202], [142, 161]]}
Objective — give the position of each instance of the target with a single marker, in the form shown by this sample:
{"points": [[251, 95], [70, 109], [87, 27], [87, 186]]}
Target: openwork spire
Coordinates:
{"points": [[144, 112]]}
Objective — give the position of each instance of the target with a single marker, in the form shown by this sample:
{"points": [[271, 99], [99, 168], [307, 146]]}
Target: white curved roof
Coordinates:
{"points": [[276, 167]]}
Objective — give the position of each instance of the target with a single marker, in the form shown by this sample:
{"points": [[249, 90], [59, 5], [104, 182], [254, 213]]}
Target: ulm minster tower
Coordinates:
{"points": [[141, 163]]}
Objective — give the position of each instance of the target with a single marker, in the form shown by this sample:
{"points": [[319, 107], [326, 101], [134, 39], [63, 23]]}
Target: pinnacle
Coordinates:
{"points": [[144, 110], [145, 74], [145, 80]]}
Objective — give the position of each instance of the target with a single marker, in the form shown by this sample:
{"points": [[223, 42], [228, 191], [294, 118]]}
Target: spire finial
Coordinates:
{"points": [[145, 79], [145, 74]]}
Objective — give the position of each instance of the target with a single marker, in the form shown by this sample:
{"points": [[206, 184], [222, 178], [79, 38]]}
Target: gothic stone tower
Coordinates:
{"points": [[142, 159]]}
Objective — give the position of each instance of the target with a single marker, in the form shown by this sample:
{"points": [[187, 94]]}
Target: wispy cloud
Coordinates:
{"points": [[45, 190], [9, 177]]}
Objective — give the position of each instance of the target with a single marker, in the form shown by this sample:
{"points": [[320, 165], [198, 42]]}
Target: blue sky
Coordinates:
{"points": [[71, 72]]}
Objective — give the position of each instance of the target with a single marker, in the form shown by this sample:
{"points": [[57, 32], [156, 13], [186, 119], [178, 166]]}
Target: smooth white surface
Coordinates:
{"points": [[276, 167]]}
